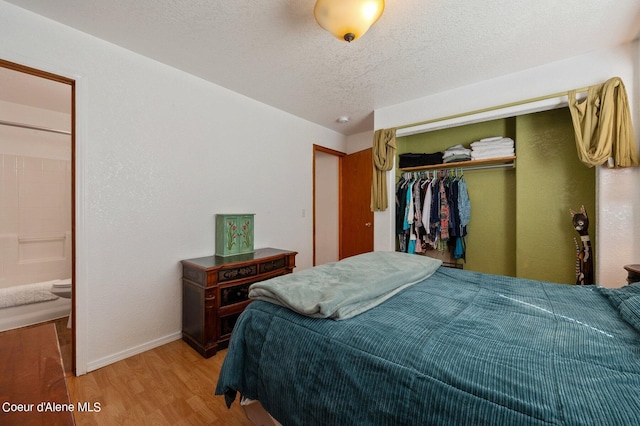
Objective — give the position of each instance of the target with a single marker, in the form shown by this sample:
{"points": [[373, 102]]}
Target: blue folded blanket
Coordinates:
{"points": [[344, 289]]}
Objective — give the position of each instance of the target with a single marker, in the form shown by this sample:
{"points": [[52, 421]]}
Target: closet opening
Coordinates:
{"points": [[37, 201], [520, 222]]}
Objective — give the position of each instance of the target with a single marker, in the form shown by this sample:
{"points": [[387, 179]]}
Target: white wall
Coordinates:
{"points": [[359, 142], [327, 211], [618, 197], [159, 153]]}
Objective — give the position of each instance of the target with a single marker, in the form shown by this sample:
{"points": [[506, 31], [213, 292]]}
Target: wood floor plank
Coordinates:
{"points": [[168, 385], [33, 377]]}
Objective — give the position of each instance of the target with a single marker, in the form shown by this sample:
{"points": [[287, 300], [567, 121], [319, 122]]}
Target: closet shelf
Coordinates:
{"points": [[485, 163]]}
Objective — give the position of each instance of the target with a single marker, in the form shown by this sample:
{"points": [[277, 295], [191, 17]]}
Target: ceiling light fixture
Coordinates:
{"points": [[342, 119], [348, 19]]}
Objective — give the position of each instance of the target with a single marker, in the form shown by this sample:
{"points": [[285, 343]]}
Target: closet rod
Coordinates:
{"points": [[511, 165], [32, 127], [494, 166], [463, 169], [493, 108]]}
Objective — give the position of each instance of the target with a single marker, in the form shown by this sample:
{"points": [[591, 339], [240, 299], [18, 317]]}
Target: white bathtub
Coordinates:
{"points": [[29, 261], [32, 313]]}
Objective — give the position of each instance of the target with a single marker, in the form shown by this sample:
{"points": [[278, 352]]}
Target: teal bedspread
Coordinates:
{"points": [[459, 348]]}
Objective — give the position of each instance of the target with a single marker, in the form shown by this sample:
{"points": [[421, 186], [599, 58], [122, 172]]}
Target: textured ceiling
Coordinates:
{"points": [[273, 51]]}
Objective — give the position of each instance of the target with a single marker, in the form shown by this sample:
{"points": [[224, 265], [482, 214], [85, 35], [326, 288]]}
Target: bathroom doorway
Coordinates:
{"points": [[37, 199]]}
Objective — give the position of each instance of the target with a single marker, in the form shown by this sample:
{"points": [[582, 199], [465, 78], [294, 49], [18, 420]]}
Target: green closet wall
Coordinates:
{"points": [[550, 180], [520, 222]]}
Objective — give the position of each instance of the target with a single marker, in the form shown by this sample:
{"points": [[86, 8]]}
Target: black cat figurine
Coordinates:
{"points": [[584, 253]]}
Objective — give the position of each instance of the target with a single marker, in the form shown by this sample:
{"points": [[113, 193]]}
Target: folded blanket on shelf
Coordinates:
{"points": [[494, 147], [492, 153], [456, 153], [494, 143], [456, 150], [491, 139], [410, 159], [457, 158]]}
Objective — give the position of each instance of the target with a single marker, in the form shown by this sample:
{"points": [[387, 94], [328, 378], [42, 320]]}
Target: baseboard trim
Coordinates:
{"points": [[119, 356]]}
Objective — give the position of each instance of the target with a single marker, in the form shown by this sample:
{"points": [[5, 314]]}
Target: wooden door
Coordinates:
{"points": [[356, 218]]}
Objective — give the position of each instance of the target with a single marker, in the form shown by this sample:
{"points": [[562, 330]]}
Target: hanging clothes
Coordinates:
{"points": [[432, 212], [401, 205]]}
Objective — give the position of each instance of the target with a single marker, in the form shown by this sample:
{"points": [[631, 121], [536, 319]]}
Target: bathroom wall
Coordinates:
{"points": [[35, 197]]}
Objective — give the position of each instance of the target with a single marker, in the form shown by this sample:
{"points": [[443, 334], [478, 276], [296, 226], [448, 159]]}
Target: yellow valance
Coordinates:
{"points": [[602, 124], [384, 153]]}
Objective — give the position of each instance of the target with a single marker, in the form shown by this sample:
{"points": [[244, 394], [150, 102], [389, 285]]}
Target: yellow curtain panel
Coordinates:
{"points": [[384, 153], [602, 125]]}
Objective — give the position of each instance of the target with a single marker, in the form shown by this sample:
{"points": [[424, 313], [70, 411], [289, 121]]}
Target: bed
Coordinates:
{"points": [[456, 347]]}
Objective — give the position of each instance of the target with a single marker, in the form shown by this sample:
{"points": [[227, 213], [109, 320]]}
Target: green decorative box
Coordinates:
{"points": [[234, 234]]}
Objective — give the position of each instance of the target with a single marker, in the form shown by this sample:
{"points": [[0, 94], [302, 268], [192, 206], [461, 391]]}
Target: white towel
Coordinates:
{"points": [[26, 294], [493, 153], [493, 138], [502, 142]]}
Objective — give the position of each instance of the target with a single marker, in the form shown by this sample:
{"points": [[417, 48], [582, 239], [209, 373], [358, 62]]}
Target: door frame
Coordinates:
{"points": [[72, 85], [339, 155]]}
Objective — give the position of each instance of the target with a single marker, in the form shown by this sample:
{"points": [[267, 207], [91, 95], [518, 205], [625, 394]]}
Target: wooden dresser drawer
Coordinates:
{"points": [[272, 265], [234, 294], [237, 273], [227, 323], [215, 291]]}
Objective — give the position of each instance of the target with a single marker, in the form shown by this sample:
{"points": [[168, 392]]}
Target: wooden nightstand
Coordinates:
{"points": [[633, 273], [215, 292]]}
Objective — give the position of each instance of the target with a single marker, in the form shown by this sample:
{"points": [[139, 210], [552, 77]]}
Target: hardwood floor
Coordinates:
{"points": [[168, 385], [64, 341], [32, 377]]}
